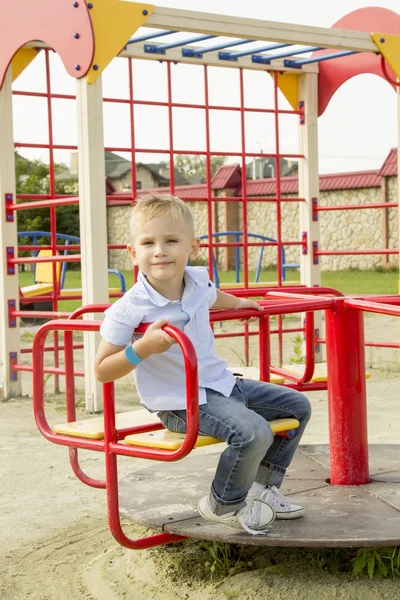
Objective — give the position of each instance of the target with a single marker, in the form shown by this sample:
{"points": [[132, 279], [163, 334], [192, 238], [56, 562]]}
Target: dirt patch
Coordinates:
{"points": [[55, 544]]}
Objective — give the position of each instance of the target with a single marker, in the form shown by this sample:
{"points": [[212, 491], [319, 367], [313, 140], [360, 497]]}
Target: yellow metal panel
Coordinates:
{"points": [[37, 289], [288, 84], [21, 60], [389, 48], [114, 22], [94, 428], [44, 271], [320, 371], [167, 440]]}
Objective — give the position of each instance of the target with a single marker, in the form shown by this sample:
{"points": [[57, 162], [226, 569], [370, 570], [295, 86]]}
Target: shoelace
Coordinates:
{"points": [[251, 514], [282, 500]]}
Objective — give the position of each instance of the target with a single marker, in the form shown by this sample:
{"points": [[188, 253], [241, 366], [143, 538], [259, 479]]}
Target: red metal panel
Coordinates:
{"points": [[333, 73], [65, 25]]}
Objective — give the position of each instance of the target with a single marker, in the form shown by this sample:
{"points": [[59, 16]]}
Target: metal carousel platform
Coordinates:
{"points": [[164, 496]]}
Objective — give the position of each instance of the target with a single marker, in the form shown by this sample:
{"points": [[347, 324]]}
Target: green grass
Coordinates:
{"points": [[73, 280], [348, 282]]}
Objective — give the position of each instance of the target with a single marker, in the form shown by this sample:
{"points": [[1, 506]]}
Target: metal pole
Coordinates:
{"points": [[347, 406]]}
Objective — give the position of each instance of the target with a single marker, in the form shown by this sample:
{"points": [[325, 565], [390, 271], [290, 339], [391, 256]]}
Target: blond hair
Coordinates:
{"points": [[154, 206]]}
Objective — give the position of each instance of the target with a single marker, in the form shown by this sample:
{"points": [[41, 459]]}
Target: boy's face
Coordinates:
{"points": [[162, 247]]}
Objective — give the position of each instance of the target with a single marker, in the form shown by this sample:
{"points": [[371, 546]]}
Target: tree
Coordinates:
{"points": [[195, 166], [32, 177]]}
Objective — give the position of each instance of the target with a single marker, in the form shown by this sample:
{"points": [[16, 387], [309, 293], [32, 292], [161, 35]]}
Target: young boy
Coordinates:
{"points": [[245, 491]]}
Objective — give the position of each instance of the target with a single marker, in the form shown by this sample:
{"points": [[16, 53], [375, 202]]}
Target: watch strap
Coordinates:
{"points": [[131, 355]]}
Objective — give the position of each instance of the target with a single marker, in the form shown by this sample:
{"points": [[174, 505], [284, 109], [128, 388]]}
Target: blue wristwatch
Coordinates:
{"points": [[131, 356]]}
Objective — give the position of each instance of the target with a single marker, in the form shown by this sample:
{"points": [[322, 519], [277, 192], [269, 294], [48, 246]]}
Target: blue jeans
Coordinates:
{"points": [[253, 453]]}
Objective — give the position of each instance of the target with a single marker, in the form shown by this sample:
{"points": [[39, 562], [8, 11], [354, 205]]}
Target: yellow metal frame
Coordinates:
{"points": [[114, 22], [389, 46], [21, 60]]}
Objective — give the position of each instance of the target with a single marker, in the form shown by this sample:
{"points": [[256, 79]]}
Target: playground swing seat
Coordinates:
{"points": [[43, 272]]}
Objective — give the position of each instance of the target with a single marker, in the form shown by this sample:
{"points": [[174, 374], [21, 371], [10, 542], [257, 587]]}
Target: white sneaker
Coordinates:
{"points": [[253, 518], [283, 507]]}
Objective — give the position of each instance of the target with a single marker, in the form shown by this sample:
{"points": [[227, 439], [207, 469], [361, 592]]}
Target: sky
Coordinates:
{"points": [[356, 131]]}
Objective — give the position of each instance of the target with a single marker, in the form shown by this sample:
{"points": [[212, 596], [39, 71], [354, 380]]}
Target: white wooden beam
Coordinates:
{"points": [[309, 185], [9, 336], [256, 29], [93, 220]]}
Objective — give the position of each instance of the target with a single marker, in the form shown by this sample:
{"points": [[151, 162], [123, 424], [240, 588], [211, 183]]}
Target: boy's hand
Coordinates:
{"points": [[154, 341], [247, 303]]}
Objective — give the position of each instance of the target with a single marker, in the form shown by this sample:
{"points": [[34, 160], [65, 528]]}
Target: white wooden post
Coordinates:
{"points": [[93, 220], [9, 328], [309, 185]]}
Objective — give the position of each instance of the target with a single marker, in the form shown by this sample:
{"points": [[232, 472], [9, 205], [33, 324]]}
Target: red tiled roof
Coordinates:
{"points": [[230, 176], [187, 191], [389, 167], [336, 181], [343, 181], [267, 187], [227, 176]]}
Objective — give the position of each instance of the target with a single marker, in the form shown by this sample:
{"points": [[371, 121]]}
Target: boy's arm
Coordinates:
{"points": [[111, 362], [228, 301]]}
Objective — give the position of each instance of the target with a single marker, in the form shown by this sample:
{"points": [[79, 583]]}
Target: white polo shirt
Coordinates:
{"points": [[160, 379]]}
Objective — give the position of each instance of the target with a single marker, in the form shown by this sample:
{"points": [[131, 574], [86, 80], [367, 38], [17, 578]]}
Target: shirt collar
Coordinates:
{"points": [[152, 294], [157, 298]]}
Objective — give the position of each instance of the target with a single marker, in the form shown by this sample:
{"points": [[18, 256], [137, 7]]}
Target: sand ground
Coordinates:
{"points": [[54, 540]]}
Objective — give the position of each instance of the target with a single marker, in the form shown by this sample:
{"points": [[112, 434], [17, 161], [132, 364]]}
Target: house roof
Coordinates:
{"points": [[335, 181], [227, 176], [116, 166], [154, 169], [197, 191], [342, 181], [389, 167]]}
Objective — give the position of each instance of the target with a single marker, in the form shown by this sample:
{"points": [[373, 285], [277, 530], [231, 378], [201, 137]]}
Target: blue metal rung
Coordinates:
{"points": [[153, 49], [314, 59], [292, 52], [291, 64], [193, 53], [236, 55], [226, 56], [149, 36], [199, 38], [260, 59]]}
